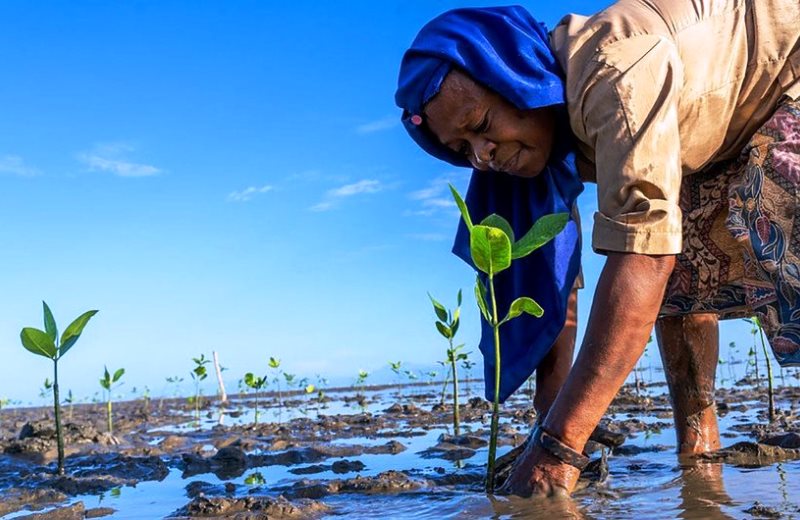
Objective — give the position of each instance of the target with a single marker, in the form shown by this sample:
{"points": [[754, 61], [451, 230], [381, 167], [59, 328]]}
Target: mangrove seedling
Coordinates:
{"points": [[410, 375], [46, 344], [46, 389], [770, 392], [493, 247], [468, 365], [107, 382], [256, 383], [361, 381], [395, 366], [198, 373], [275, 365], [447, 324], [70, 400]]}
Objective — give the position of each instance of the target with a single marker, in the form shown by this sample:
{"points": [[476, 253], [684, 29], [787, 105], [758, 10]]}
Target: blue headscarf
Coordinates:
{"points": [[506, 50]]}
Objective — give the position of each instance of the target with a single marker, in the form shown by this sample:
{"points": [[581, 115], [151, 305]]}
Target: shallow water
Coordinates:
{"points": [[652, 485]]}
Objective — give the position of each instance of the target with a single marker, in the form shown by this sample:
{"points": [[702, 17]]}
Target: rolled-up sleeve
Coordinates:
{"points": [[630, 116]]}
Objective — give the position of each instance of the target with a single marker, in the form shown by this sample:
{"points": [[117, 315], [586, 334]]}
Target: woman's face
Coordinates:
{"points": [[489, 131]]}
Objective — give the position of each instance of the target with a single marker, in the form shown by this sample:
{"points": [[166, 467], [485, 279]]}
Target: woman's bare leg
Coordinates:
{"points": [[553, 370], [689, 348]]}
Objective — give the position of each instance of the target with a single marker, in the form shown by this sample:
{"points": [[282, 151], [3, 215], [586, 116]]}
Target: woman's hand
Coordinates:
{"points": [[538, 473], [625, 307]]}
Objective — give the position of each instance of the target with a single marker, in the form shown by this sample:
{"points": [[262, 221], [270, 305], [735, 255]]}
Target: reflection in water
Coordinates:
{"points": [[703, 491], [535, 508]]}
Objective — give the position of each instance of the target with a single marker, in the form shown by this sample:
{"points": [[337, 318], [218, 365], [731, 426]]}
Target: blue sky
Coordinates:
{"points": [[224, 176]]}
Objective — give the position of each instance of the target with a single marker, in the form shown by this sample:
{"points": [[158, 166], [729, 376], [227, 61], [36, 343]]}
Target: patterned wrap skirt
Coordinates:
{"points": [[741, 237]]}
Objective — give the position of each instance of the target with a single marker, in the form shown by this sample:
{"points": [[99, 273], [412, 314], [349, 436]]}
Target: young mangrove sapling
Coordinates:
{"points": [[447, 324], [256, 383], [493, 247], [46, 344], [107, 382], [198, 373]]}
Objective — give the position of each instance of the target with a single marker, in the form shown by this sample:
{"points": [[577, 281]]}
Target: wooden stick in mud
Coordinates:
{"points": [[223, 397]]}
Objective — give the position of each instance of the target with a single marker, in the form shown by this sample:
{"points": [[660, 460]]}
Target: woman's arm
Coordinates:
{"points": [[626, 304]]}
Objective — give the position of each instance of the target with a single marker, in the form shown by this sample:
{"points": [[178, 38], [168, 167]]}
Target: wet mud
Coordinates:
{"points": [[325, 455]]}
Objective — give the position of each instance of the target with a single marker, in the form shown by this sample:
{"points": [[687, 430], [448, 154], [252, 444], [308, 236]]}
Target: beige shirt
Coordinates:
{"points": [[658, 89]]}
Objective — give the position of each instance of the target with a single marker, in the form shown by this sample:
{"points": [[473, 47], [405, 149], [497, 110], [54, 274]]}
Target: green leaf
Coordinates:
{"points": [[441, 312], [105, 384], [495, 220], [526, 305], [480, 297], [490, 248], [454, 325], [444, 330], [38, 342], [117, 375], [458, 298], [249, 380], [542, 232], [274, 363], [50, 323], [462, 207], [73, 332]]}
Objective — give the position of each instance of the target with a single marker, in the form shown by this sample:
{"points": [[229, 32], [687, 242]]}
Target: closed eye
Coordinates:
{"points": [[483, 126]]}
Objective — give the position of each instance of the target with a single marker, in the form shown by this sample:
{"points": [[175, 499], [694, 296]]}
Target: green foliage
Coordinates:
{"points": [[255, 479], [447, 324], [254, 382], [493, 247], [274, 363], [198, 373], [47, 344], [107, 382]]}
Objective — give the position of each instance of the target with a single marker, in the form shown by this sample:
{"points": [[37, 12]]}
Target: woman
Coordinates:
{"points": [[685, 114]]}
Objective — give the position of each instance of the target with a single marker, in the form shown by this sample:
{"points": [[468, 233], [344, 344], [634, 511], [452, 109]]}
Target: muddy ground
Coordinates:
{"points": [[325, 454]]}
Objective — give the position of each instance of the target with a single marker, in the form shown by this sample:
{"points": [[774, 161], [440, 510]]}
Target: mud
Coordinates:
{"points": [[292, 468]]}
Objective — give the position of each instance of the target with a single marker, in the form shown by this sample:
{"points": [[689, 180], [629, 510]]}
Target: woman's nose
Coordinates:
{"points": [[483, 151]]}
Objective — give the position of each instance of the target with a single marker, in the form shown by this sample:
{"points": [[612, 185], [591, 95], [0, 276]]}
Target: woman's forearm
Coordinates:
{"points": [[625, 307]]}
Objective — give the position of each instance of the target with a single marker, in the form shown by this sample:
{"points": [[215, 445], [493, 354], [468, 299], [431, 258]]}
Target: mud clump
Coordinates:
{"points": [[73, 512], [790, 440], [18, 499], [759, 510], [387, 482], [250, 508], [37, 440], [751, 454], [447, 451]]}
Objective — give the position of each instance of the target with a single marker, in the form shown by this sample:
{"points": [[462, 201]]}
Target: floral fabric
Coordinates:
{"points": [[741, 237]]}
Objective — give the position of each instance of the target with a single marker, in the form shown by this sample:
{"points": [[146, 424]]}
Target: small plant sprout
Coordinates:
{"points": [[46, 344], [395, 366], [275, 365], [447, 324], [770, 391], [256, 383], [493, 247], [70, 400], [107, 382], [361, 381], [198, 373], [308, 389], [468, 365], [46, 389], [752, 354]]}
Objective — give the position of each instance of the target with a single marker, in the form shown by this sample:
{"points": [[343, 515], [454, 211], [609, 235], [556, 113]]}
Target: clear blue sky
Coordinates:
{"points": [[222, 175]]}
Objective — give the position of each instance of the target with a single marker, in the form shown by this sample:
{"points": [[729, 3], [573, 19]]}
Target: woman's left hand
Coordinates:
{"points": [[538, 473]]}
